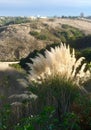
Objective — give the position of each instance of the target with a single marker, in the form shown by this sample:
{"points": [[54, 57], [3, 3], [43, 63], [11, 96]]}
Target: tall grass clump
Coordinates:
{"points": [[57, 78]]}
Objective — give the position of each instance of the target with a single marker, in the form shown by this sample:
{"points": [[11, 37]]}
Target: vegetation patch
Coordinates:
{"points": [[16, 66]]}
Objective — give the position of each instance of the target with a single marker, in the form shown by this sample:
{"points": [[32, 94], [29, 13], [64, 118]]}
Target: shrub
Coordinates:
{"points": [[65, 26], [59, 61], [42, 37], [5, 114], [47, 121], [16, 66], [34, 33], [43, 121], [56, 91], [70, 122], [82, 108], [87, 54], [38, 35], [57, 78]]}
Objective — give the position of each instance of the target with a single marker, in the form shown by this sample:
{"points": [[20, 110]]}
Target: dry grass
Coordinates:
{"points": [[82, 25], [59, 61]]}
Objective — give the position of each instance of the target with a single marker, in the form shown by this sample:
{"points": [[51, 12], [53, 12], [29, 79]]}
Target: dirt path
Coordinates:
{"points": [[5, 65]]}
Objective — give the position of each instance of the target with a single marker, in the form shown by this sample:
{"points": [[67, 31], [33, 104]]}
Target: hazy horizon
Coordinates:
{"points": [[45, 8]]}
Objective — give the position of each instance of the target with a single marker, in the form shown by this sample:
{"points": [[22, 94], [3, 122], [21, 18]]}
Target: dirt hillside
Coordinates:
{"points": [[18, 40]]}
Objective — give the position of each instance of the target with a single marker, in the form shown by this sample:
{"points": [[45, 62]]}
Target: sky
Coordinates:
{"points": [[45, 7]]}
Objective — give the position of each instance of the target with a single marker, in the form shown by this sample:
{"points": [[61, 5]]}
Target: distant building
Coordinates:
{"points": [[2, 17], [33, 17], [43, 17]]}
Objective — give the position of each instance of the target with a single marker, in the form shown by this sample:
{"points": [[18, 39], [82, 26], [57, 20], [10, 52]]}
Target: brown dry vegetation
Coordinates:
{"points": [[82, 25], [16, 41]]}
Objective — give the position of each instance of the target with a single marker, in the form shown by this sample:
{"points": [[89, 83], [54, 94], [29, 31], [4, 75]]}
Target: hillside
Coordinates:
{"points": [[81, 24], [25, 104], [18, 40]]}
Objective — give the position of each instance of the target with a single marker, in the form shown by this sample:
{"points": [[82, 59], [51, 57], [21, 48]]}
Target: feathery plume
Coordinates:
{"points": [[59, 61]]}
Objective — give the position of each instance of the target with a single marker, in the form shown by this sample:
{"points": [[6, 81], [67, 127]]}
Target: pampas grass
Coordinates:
{"points": [[59, 61], [58, 76]]}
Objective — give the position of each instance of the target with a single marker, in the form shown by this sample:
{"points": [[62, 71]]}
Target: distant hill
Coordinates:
{"points": [[17, 40]]}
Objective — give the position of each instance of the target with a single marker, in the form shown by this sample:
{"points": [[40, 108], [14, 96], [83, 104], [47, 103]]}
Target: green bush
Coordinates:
{"points": [[70, 121], [82, 107], [34, 33], [65, 26], [5, 114], [46, 120], [43, 121], [56, 90], [42, 37], [16, 66], [87, 54], [38, 35]]}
